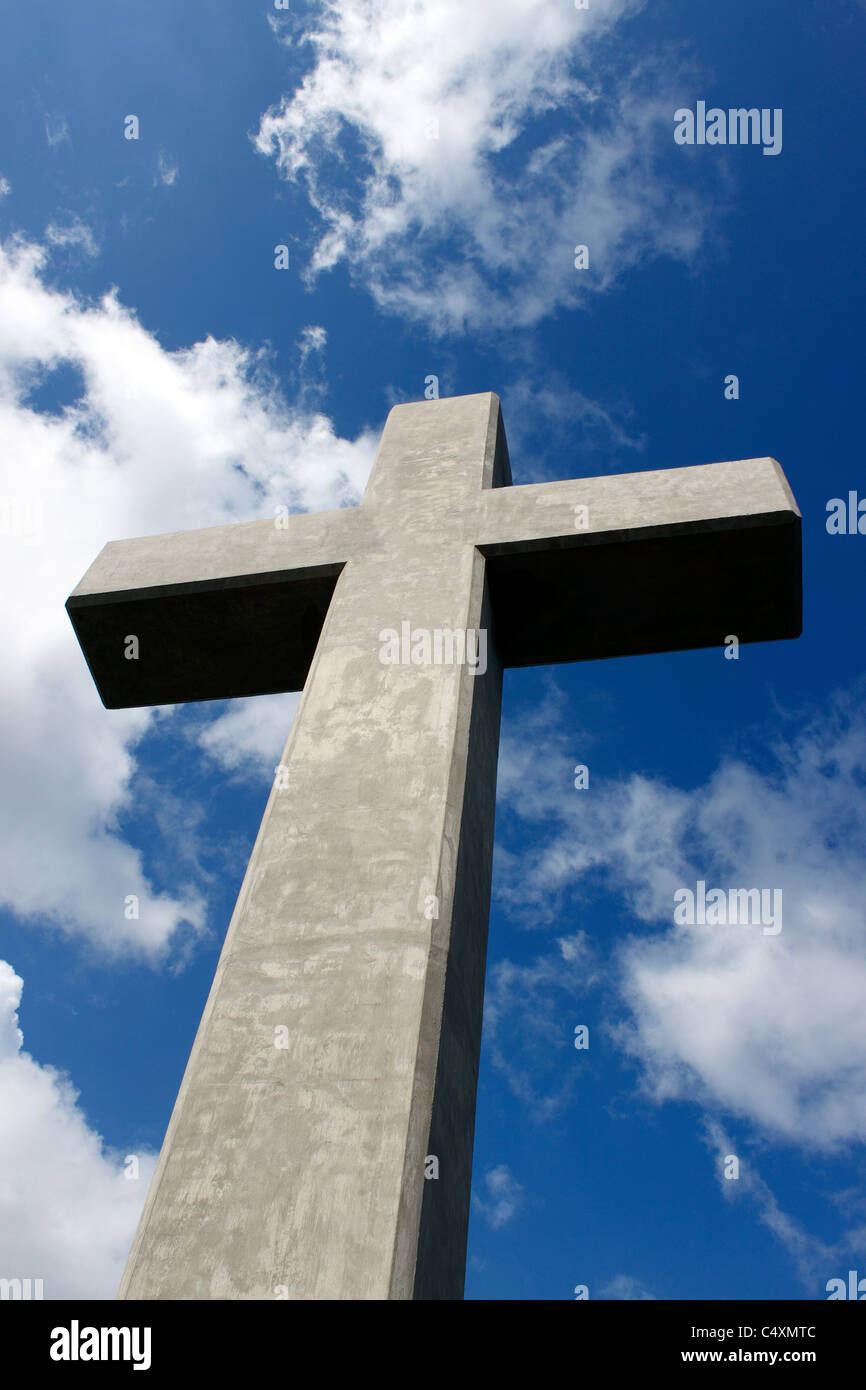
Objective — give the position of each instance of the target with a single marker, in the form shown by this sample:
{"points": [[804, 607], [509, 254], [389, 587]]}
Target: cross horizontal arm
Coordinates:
{"points": [[219, 612], [642, 562]]}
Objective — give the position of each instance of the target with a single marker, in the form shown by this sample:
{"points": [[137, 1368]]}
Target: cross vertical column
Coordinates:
{"points": [[300, 1168]]}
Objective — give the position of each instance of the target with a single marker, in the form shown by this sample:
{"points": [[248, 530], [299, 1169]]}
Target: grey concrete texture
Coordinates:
{"points": [[298, 1171], [671, 559], [302, 1168]]}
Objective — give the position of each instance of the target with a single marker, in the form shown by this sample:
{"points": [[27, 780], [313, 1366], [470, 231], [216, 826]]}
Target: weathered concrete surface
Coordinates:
{"points": [[671, 559], [301, 1169]]}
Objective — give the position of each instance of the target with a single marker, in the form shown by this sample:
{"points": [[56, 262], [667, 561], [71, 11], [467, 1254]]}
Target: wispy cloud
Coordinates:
{"points": [[815, 1260], [530, 1013], [313, 339], [166, 171], [310, 376], [770, 1029], [73, 233], [623, 1286], [56, 130], [504, 1197], [574, 428]]}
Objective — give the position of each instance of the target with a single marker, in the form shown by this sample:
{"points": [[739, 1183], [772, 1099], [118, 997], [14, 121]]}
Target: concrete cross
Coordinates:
{"points": [[339, 1046]]}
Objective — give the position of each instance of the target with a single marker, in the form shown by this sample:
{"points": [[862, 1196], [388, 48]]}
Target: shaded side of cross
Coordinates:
{"points": [[338, 1052]]}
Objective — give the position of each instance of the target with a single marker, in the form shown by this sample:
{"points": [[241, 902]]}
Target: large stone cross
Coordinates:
{"points": [[337, 1056]]}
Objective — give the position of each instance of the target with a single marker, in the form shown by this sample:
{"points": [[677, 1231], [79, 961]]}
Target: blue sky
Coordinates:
{"points": [[430, 169]]}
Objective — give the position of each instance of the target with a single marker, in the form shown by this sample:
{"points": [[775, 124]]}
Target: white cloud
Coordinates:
{"points": [[5, 186], [623, 1286], [155, 441], [530, 1013], [166, 170], [769, 1029], [434, 222], [313, 339], [249, 738], [73, 233], [67, 1212], [567, 423], [504, 1197], [815, 1260], [56, 130], [311, 375]]}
